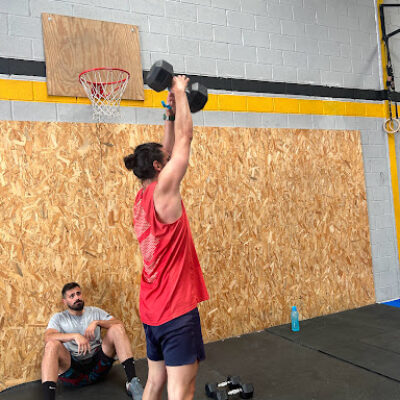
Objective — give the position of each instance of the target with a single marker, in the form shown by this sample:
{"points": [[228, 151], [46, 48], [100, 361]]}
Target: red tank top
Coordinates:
{"points": [[172, 281]]}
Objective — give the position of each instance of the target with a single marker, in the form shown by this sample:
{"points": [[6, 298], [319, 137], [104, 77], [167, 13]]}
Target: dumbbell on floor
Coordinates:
{"points": [[232, 382], [160, 77], [245, 392], [233, 386]]}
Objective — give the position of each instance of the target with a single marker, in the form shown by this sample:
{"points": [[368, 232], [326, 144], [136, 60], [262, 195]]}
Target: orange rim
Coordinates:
{"points": [[81, 75]]}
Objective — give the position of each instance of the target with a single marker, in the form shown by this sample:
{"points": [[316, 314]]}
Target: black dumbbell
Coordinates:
{"points": [[232, 382], [233, 386], [197, 97], [245, 392], [160, 77]]}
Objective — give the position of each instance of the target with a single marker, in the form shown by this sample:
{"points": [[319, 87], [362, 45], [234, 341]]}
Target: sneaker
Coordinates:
{"points": [[134, 388]]}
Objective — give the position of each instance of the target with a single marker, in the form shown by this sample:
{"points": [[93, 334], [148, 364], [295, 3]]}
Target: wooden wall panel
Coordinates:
{"points": [[73, 45], [279, 218]]}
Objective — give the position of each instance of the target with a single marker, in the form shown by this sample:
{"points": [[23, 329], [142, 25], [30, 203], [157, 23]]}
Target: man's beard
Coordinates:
{"points": [[78, 306]]}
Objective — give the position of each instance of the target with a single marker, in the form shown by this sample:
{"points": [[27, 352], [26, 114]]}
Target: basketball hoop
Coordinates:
{"points": [[104, 87]]}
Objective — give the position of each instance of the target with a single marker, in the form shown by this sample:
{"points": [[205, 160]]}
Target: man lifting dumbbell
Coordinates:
{"points": [[160, 78], [172, 282]]}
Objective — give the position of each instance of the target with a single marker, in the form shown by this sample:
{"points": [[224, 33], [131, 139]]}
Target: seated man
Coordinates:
{"points": [[74, 352]]}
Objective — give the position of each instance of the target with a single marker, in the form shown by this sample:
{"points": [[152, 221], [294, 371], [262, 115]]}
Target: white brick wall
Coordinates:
{"points": [[342, 30], [231, 69], [227, 4], [147, 7], [180, 11], [309, 76], [17, 7], [15, 47], [281, 42], [5, 111], [211, 15], [196, 30], [199, 65], [307, 45], [272, 57], [259, 71], [214, 50], [227, 35], [3, 24], [242, 53]]}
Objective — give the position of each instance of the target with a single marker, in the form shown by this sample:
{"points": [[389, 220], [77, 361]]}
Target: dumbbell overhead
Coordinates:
{"points": [[160, 78]]}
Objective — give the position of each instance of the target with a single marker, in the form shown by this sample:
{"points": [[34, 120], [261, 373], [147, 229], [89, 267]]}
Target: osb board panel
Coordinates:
{"points": [[73, 45], [279, 218]]}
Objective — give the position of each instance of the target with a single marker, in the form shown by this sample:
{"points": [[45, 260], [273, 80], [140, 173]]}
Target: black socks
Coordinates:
{"points": [[49, 390], [129, 367]]}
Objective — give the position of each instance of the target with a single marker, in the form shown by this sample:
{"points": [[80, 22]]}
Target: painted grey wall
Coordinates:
{"points": [[324, 42]]}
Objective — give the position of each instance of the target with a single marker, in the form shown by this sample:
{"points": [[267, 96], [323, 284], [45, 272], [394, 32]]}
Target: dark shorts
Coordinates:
{"points": [[177, 342], [86, 372]]}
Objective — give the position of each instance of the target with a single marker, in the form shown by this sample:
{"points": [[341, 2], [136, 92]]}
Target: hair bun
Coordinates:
{"points": [[128, 160]]}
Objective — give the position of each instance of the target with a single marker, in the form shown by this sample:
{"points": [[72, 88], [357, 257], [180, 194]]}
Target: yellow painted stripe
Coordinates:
{"points": [[286, 106], [311, 107], [395, 184], [392, 144], [82, 100], [40, 94], [147, 102], [16, 90], [37, 91], [260, 104], [353, 109], [212, 103], [157, 98], [232, 103], [333, 107]]}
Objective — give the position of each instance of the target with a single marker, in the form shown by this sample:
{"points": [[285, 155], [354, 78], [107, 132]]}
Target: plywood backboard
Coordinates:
{"points": [[279, 218], [73, 45]]}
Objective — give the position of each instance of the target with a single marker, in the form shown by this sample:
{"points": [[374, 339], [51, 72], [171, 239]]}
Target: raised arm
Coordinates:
{"points": [[167, 199], [169, 126]]}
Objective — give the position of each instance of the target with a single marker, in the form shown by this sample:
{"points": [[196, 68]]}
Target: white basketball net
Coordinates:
{"points": [[104, 87]]}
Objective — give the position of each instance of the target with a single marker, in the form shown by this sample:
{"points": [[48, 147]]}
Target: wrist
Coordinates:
{"points": [[169, 117], [179, 91]]}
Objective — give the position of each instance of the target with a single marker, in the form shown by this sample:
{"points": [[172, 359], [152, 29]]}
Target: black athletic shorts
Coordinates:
{"points": [[86, 372], [177, 342]]}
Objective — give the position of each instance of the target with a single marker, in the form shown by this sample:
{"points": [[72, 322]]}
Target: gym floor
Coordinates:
{"points": [[352, 355]]}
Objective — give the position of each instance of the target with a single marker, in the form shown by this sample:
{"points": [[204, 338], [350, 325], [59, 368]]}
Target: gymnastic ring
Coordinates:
{"points": [[396, 125]]}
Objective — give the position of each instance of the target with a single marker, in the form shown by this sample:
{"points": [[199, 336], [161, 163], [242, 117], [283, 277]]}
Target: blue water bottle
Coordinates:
{"points": [[295, 319]]}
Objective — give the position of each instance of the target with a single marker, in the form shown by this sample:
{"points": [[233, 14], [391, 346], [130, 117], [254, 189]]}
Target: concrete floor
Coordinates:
{"points": [[353, 355]]}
